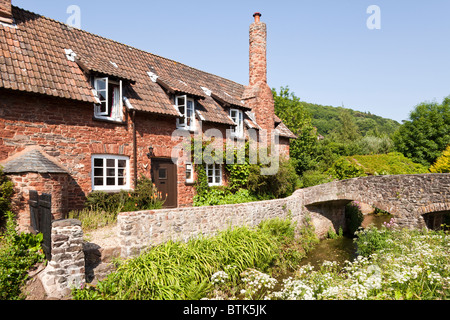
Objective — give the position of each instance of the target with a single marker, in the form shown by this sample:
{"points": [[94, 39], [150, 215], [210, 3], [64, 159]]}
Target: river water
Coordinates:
{"points": [[341, 249]]}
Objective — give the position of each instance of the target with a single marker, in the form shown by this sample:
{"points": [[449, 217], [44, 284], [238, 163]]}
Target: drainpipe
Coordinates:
{"points": [[135, 150], [132, 112]]}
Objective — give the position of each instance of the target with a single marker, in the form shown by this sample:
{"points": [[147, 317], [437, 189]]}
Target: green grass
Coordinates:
{"points": [[182, 271]]}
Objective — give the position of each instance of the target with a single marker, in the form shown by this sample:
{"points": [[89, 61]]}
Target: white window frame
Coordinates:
{"points": [[238, 130], [190, 168], [182, 122], [214, 177], [116, 186], [117, 112]]}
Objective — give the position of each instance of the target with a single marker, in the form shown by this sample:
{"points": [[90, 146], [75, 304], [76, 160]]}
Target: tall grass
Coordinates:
{"points": [[182, 271]]}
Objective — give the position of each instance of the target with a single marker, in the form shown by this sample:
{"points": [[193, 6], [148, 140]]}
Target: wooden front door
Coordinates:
{"points": [[164, 176]]}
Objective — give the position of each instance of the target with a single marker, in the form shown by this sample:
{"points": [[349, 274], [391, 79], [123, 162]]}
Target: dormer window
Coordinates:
{"points": [[186, 107], [238, 117], [110, 100]]}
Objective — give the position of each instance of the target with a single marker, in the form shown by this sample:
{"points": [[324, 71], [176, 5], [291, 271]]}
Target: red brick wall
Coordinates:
{"points": [[54, 184], [66, 130]]}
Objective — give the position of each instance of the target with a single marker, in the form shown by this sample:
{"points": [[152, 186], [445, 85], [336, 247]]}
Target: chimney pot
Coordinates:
{"points": [[257, 17], [6, 11]]}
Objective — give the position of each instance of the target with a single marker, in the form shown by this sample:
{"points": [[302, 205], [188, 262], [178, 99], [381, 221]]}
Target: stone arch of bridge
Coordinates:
{"points": [[435, 215], [333, 208]]}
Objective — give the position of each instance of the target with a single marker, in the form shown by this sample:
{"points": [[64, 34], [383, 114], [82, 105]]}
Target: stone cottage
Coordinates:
{"points": [[80, 113]]}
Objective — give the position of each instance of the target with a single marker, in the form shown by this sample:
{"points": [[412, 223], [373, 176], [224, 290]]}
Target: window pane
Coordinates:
{"points": [[100, 84], [234, 115], [121, 173], [110, 172], [122, 163], [181, 101], [98, 172], [98, 162], [111, 181], [111, 163], [121, 181], [210, 180], [98, 182], [189, 172], [190, 108], [162, 174]]}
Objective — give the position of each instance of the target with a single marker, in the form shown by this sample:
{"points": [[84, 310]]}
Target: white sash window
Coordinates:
{"points": [[110, 173], [110, 101], [214, 174], [238, 117], [186, 107]]}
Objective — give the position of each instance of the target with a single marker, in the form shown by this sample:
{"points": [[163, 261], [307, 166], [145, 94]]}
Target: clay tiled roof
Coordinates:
{"points": [[34, 57]]}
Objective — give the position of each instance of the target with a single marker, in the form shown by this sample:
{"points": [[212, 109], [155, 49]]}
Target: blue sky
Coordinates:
{"points": [[321, 49]]}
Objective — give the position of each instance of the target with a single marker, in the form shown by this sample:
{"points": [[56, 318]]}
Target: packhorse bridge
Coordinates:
{"points": [[416, 201]]}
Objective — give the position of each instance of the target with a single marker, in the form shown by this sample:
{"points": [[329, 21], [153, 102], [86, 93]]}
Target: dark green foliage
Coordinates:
{"points": [[18, 254], [246, 183], [291, 111], [354, 217], [6, 193], [426, 134], [277, 186], [326, 119]]}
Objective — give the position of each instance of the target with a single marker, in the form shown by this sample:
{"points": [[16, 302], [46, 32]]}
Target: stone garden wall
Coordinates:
{"points": [[66, 270], [145, 229]]}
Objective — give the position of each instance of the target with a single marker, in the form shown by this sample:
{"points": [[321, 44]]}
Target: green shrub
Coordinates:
{"points": [[371, 240], [393, 163], [6, 193], [370, 145], [280, 185], [221, 195], [18, 253], [343, 169], [144, 197], [101, 208], [313, 178], [442, 164]]}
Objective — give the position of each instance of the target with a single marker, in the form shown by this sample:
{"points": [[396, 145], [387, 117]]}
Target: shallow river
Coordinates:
{"points": [[342, 249]]}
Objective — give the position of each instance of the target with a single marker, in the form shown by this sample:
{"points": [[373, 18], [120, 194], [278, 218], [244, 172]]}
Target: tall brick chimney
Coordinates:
{"points": [[258, 51], [6, 11], [258, 94]]}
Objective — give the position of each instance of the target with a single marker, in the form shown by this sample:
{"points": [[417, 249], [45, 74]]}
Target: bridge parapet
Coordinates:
{"points": [[408, 197]]}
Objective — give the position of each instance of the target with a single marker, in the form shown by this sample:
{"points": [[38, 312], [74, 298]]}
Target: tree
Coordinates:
{"points": [[442, 165], [426, 134], [347, 130], [293, 114]]}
